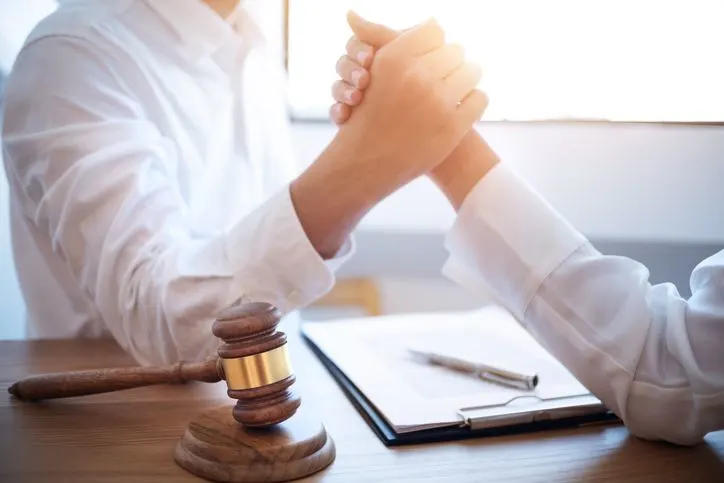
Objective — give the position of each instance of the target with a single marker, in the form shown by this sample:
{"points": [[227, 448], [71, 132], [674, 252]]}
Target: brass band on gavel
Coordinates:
{"points": [[257, 370]]}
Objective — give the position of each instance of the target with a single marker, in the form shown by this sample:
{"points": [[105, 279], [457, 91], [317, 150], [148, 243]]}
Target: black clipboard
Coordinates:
{"points": [[390, 437]]}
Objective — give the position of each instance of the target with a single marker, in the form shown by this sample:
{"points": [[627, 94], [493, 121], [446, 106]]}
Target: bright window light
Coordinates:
{"points": [[613, 60]]}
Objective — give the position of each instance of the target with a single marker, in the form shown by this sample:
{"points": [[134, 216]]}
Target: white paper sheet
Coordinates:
{"points": [[412, 395]]}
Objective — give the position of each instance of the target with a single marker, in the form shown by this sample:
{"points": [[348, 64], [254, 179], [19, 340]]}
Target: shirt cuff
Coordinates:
{"points": [[276, 262], [506, 240]]}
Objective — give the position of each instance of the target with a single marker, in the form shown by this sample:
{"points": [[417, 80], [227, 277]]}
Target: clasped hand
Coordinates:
{"points": [[420, 97]]}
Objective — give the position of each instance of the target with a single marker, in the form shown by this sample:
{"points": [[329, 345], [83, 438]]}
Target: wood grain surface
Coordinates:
{"points": [[132, 435]]}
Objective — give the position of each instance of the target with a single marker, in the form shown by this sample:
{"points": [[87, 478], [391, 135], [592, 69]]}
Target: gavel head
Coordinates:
{"points": [[255, 364]]}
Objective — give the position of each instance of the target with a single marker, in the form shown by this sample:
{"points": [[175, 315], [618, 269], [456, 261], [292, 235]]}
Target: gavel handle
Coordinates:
{"points": [[83, 383]]}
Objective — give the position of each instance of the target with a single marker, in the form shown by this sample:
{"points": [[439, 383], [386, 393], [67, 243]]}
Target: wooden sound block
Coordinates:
{"points": [[216, 447]]}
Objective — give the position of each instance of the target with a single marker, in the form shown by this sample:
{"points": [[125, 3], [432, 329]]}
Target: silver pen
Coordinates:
{"points": [[483, 371]]}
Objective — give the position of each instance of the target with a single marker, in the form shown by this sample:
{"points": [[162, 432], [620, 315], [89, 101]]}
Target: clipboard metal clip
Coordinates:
{"points": [[543, 409]]}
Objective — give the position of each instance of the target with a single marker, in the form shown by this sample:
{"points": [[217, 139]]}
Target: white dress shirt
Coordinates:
{"points": [[148, 153], [651, 356]]}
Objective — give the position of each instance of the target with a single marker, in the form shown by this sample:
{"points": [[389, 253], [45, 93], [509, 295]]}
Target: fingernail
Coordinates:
{"points": [[356, 77], [348, 95], [362, 57]]}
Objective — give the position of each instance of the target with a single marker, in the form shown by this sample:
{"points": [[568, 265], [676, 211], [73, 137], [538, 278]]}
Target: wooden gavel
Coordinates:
{"points": [[253, 360]]}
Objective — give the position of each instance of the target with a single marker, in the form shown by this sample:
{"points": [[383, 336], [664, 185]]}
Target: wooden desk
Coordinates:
{"points": [[130, 436]]}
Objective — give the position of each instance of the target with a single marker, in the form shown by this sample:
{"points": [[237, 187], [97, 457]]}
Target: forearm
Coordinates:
{"points": [[334, 194], [464, 168]]}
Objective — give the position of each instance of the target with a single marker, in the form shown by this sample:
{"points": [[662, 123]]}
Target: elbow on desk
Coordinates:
{"points": [[675, 417]]}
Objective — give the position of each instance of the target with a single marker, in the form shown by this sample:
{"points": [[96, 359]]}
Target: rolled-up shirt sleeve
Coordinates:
{"points": [[653, 357], [99, 179]]}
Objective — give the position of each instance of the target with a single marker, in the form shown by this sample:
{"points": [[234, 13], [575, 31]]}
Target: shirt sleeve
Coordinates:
{"points": [[651, 356], [97, 177]]}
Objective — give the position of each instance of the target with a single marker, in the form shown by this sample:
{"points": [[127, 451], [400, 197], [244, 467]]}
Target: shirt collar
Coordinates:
{"points": [[200, 29]]}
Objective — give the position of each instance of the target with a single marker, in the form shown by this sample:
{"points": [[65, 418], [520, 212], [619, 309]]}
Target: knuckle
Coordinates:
{"points": [[476, 75], [443, 104], [475, 69], [419, 73], [351, 44], [419, 86], [336, 86], [333, 111], [457, 49], [337, 112], [411, 78], [339, 66], [359, 78], [440, 101], [485, 99], [416, 79], [457, 52], [366, 49]]}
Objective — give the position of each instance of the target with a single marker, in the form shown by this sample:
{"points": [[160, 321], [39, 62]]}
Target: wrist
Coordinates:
{"points": [[332, 196], [460, 172]]}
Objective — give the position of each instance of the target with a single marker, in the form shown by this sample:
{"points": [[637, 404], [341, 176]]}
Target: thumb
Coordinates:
{"points": [[370, 33]]}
